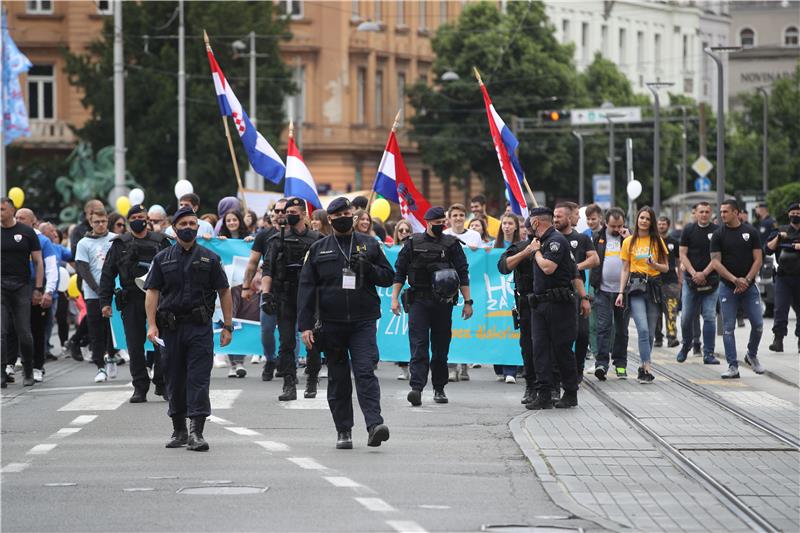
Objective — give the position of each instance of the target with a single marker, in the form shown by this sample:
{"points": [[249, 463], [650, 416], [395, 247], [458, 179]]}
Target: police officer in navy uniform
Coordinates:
{"points": [[338, 307], [785, 244], [436, 268], [554, 319], [181, 289], [129, 257], [286, 251], [517, 259]]}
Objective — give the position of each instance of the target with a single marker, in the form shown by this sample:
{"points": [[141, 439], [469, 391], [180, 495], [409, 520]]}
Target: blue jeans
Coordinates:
{"points": [[609, 316], [645, 316], [729, 303], [704, 303]]}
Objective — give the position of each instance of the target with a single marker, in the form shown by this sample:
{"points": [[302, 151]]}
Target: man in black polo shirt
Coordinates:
{"points": [[19, 246], [736, 255]]}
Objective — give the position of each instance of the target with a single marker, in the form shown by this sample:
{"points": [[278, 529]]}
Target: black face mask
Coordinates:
{"points": [[437, 229], [342, 224], [292, 220], [137, 226], [186, 234], [795, 220]]}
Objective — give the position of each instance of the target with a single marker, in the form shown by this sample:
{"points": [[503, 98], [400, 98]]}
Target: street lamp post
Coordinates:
{"points": [[579, 136], [720, 116], [610, 116], [654, 87], [765, 149], [181, 94], [684, 133], [119, 106], [251, 178]]}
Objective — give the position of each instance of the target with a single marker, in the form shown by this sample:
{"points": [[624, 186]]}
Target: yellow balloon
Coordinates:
{"points": [[380, 209], [17, 196], [72, 288], [123, 205]]}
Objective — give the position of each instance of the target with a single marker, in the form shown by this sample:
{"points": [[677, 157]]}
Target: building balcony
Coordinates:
{"points": [[49, 134]]}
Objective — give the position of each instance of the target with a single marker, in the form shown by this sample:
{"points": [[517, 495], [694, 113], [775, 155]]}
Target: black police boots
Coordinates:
{"points": [[289, 389], [139, 396], [543, 400], [159, 389], [569, 399], [777, 344], [344, 440], [269, 371], [196, 441], [414, 397], [311, 386], [530, 394], [377, 434], [439, 396], [180, 435]]}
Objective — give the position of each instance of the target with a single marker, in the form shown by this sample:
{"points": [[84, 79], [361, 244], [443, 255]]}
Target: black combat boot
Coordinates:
{"points": [[196, 441], [289, 389], [311, 386], [543, 400], [777, 344], [439, 396], [530, 394], [344, 440], [180, 435], [377, 434], [269, 371], [569, 399], [139, 396]]}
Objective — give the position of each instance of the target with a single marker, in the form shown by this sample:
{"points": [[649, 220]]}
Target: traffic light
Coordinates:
{"points": [[554, 116]]}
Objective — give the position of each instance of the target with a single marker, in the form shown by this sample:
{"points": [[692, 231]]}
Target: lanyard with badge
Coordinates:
{"points": [[348, 276]]}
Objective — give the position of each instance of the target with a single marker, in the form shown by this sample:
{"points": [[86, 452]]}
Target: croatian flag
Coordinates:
{"points": [[394, 184], [299, 181], [263, 158], [505, 144]]}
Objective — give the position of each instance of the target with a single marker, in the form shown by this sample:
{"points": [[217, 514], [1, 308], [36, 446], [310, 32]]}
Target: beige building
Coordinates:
{"points": [[352, 81]]}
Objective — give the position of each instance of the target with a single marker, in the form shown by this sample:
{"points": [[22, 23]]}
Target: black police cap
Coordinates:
{"points": [[541, 211], [793, 206], [294, 201], [138, 208], [338, 204], [434, 213], [182, 212]]}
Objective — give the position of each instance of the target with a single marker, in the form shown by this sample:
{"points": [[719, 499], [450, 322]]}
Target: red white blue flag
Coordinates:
{"points": [[393, 183], [263, 158], [299, 181], [506, 144]]}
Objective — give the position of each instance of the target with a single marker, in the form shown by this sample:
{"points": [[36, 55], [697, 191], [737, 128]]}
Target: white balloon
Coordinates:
{"points": [[136, 196], [634, 189], [183, 187]]}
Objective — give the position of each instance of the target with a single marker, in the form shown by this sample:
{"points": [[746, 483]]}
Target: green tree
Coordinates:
{"points": [[151, 64]]}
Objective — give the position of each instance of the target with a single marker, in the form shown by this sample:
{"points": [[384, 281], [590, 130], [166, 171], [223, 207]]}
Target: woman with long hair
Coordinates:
{"points": [[363, 222], [233, 227], [479, 224], [402, 231], [319, 222], [116, 223], [251, 221], [644, 259], [508, 233]]}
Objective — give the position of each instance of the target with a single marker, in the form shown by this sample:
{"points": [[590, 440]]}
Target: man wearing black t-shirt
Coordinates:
{"points": [[736, 255], [700, 284], [19, 247], [670, 288]]}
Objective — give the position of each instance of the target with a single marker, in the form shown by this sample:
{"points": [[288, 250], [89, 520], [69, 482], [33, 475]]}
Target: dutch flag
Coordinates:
{"points": [[506, 144], [394, 183], [263, 158], [299, 181]]}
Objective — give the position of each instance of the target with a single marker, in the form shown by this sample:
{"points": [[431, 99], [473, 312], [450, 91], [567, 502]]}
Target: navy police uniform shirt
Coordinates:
{"points": [[321, 281], [186, 278], [556, 248]]}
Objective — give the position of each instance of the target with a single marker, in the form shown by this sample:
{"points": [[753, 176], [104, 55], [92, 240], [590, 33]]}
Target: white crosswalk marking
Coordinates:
{"points": [[41, 449], [247, 432], [223, 398], [376, 504], [318, 403], [82, 420], [14, 467], [404, 526], [307, 462], [98, 401], [64, 432], [344, 482], [272, 446]]}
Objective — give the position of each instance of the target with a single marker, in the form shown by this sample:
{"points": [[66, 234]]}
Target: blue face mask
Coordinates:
{"points": [[187, 234]]}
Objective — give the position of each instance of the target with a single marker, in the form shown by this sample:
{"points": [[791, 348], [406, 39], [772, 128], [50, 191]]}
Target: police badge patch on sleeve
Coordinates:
{"points": [[554, 247]]}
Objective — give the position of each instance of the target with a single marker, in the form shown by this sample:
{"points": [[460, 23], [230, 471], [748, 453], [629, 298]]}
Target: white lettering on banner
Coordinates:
{"points": [[495, 302], [398, 325]]}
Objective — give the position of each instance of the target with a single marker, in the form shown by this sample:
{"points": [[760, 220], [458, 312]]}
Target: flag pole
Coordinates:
{"points": [[230, 142], [395, 124], [291, 128]]}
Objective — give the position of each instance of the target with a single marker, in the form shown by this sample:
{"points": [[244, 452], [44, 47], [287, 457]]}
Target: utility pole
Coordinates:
{"points": [[181, 94], [251, 179], [119, 107], [701, 129], [3, 190], [684, 133], [654, 87], [629, 178], [581, 180], [720, 116], [610, 116], [765, 147]]}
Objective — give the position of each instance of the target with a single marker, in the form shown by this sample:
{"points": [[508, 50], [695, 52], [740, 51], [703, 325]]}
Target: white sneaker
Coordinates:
{"points": [[499, 377], [240, 371], [255, 360], [111, 367], [404, 375], [10, 370], [38, 375], [101, 376], [220, 361], [18, 365], [232, 372], [511, 379], [755, 364]]}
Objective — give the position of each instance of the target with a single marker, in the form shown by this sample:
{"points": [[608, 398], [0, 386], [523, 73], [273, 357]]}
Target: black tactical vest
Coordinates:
{"points": [[136, 256], [291, 255], [428, 256]]}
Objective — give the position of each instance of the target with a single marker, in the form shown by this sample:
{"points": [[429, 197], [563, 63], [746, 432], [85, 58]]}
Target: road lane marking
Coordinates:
{"points": [[247, 432], [223, 398], [218, 420], [41, 449], [82, 420], [404, 526], [340, 481], [128, 385], [376, 504], [14, 467], [434, 506], [307, 462], [319, 404], [64, 432], [97, 401], [272, 446]]}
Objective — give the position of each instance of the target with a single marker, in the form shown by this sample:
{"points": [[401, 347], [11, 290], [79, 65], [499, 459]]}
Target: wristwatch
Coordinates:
{"points": [[585, 297], [40, 289], [468, 302], [228, 328]]}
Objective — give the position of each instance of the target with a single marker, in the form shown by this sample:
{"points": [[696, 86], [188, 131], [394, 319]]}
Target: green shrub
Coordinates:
{"points": [[778, 201]]}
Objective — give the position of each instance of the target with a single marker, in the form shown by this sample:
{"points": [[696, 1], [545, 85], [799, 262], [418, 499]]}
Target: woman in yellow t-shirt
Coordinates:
{"points": [[644, 258]]}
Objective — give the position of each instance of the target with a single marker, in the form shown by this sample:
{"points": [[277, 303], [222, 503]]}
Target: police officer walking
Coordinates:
{"points": [[436, 267], [338, 307], [129, 257], [286, 252], [553, 316], [785, 244], [180, 299], [517, 259]]}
